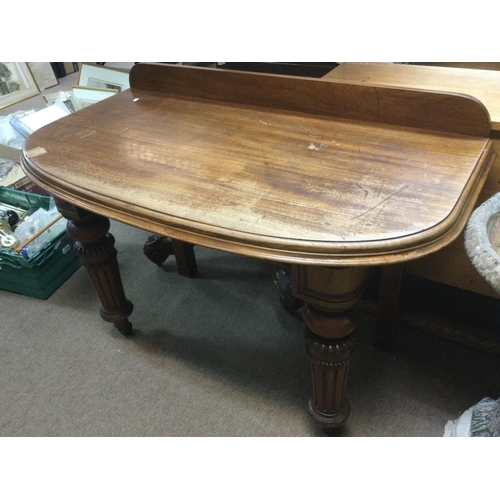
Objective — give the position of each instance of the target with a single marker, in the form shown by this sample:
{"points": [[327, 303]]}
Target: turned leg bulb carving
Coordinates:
{"points": [[330, 319], [96, 251]]}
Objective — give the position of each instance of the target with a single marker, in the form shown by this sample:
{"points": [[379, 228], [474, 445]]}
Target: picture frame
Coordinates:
{"points": [[65, 97], [85, 96], [16, 83], [99, 77], [43, 74]]}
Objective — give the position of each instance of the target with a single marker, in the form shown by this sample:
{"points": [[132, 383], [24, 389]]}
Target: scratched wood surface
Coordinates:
{"points": [[298, 186], [451, 265]]}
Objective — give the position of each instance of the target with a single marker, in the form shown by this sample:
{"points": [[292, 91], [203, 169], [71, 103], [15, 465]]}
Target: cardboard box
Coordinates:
{"points": [[16, 179], [41, 275]]}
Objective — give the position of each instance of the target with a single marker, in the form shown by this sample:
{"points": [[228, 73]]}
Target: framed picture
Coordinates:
{"points": [[43, 74], [16, 83], [100, 77], [65, 97], [85, 96]]}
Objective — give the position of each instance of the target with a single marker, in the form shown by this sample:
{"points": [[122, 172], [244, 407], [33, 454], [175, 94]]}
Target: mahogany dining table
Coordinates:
{"points": [[329, 178]]}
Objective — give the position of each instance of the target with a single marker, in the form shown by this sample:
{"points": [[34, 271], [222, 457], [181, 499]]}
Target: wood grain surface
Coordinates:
{"points": [[451, 265], [224, 166], [482, 84]]}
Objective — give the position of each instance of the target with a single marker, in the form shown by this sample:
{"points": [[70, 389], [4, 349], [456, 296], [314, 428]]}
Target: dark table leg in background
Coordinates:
{"points": [[158, 248], [185, 258], [95, 247], [387, 305]]}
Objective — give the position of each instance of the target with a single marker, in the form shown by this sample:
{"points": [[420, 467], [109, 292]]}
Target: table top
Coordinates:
{"points": [[283, 168], [484, 85]]}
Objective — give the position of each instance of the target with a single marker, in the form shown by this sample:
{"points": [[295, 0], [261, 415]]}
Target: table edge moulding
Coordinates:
{"points": [[450, 266], [328, 178]]}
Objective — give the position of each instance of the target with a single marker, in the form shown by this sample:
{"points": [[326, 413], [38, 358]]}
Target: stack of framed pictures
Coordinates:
{"points": [[95, 83], [20, 81]]}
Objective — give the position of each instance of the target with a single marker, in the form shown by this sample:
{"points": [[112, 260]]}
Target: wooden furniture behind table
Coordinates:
{"points": [[330, 178], [449, 266]]}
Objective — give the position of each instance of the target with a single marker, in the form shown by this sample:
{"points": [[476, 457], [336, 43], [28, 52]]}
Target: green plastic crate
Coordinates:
{"points": [[44, 273]]}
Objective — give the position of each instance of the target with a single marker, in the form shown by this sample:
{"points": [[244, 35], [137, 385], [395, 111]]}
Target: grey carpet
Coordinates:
{"points": [[210, 356]]}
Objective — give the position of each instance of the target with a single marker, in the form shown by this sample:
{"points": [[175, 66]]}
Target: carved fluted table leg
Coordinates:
{"points": [[330, 318], [95, 248]]}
